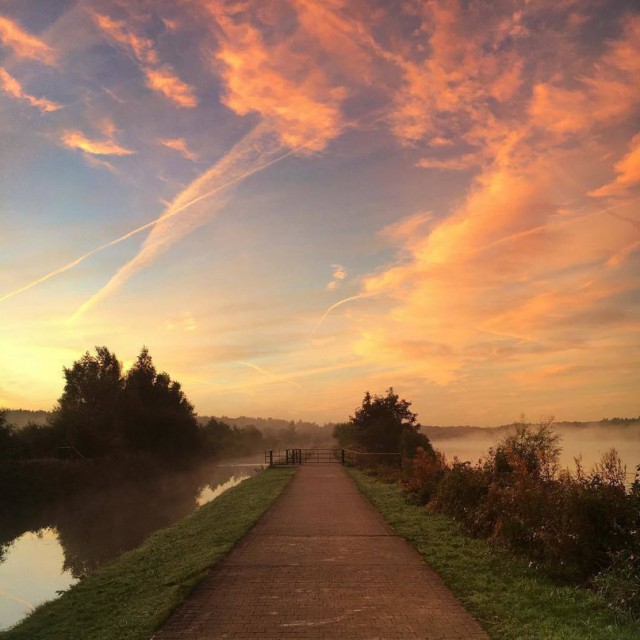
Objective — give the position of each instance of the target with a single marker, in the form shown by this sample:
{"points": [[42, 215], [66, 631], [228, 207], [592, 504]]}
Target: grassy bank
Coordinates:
{"points": [[131, 597], [510, 599]]}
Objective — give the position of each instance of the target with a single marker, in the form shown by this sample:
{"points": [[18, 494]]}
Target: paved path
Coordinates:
{"points": [[322, 564]]}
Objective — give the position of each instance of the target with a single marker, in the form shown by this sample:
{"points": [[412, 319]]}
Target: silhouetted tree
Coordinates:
{"points": [[101, 411], [37, 441], [217, 436], [87, 411], [344, 433], [386, 424], [6, 437], [156, 414], [225, 440]]}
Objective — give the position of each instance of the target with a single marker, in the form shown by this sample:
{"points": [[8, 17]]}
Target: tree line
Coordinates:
{"points": [[107, 412]]}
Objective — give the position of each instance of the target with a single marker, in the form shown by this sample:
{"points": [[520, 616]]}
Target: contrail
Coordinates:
{"points": [[170, 212], [335, 306], [275, 377], [260, 148], [185, 200]]}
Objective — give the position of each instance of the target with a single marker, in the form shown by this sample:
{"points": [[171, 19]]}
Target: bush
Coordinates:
{"points": [[462, 489], [581, 528], [620, 582], [422, 474]]}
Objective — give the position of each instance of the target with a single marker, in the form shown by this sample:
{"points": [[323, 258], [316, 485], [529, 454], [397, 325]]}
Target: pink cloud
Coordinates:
{"points": [[10, 85], [276, 81], [179, 145], [23, 44], [459, 163], [459, 72], [160, 78], [627, 170], [77, 140], [164, 81], [498, 268], [606, 94]]}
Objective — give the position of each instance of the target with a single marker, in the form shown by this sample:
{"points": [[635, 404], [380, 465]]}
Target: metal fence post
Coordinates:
{"points": [[271, 457]]}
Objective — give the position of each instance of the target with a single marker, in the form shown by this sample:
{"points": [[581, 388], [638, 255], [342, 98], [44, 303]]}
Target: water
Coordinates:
{"points": [[590, 444], [32, 554], [45, 552]]}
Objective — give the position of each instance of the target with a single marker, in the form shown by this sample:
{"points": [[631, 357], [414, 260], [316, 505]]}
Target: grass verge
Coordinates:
{"points": [[511, 600], [131, 597]]}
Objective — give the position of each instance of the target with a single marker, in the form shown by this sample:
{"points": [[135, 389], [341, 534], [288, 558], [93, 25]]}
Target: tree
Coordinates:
{"points": [[386, 424], [156, 414], [217, 436], [532, 448], [7, 436], [102, 412], [344, 433], [87, 412]]}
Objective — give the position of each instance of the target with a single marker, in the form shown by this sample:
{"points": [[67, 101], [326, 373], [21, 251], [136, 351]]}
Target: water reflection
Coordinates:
{"points": [[48, 550], [210, 493], [32, 554]]}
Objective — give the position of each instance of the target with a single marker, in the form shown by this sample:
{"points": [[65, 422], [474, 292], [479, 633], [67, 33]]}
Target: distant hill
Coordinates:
{"points": [[279, 433], [265, 424], [22, 417]]}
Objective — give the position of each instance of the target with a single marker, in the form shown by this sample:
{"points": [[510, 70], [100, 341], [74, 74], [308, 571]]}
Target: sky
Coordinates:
{"points": [[291, 202]]}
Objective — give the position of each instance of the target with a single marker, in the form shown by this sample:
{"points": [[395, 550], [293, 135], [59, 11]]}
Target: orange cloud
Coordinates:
{"points": [[459, 72], [141, 48], [628, 170], [23, 44], [623, 53], [277, 81], [569, 111], [339, 274], [460, 163], [494, 280], [346, 38], [11, 86], [179, 145], [158, 77], [164, 81], [77, 140], [608, 94]]}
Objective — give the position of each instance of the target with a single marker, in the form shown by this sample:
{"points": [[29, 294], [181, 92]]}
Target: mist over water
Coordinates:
{"points": [[47, 550], [587, 442]]}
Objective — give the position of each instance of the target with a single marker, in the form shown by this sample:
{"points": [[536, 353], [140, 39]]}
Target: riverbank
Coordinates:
{"points": [[131, 597], [510, 599]]}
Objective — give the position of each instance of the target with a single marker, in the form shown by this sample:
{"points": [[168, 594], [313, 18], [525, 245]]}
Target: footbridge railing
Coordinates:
{"points": [[333, 455]]}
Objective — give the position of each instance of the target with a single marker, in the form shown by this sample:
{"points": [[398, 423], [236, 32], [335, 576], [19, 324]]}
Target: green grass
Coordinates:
{"points": [[131, 597], [511, 600]]}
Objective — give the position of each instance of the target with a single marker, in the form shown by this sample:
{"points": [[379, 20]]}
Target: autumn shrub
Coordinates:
{"points": [[422, 474], [580, 528], [461, 490], [619, 583]]}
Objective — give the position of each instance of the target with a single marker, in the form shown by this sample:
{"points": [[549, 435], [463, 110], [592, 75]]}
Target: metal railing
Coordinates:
{"points": [[301, 456], [343, 456]]}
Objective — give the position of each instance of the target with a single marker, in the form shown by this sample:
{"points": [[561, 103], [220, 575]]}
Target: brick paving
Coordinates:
{"points": [[322, 564]]}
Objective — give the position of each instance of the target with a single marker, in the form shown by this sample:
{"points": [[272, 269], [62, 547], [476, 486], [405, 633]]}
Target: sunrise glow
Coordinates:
{"points": [[292, 201]]}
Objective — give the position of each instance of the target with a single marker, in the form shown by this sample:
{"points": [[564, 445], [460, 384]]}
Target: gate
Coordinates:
{"points": [[349, 457], [303, 456]]}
